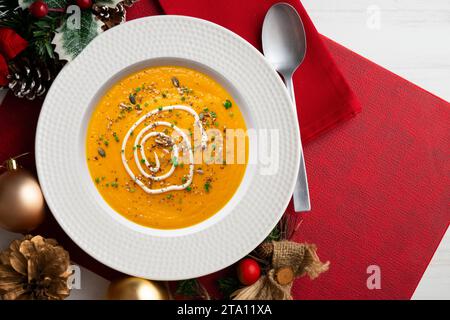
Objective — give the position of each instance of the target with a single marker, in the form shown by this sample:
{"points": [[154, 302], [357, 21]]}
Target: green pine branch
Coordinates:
{"points": [[43, 31], [192, 288], [227, 286], [188, 288]]}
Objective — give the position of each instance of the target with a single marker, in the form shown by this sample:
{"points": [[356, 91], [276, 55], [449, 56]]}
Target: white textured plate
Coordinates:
{"points": [[61, 157]]}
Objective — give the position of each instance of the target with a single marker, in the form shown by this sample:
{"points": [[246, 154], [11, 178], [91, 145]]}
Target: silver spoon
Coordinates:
{"points": [[284, 45]]}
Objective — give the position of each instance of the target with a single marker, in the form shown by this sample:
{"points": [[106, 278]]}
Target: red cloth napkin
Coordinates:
{"points": [[323, 96], [380, 187], [379, 183]]}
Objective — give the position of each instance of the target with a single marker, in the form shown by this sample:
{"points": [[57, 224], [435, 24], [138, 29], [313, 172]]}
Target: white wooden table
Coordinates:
{"points": [[408, 37]]}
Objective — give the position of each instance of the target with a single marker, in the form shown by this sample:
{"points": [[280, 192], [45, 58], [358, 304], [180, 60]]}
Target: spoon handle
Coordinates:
{"points": [[301, 191]]}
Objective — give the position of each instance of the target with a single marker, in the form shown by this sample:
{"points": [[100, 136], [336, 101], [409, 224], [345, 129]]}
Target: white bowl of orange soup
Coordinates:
{"points": [[154, 159], [156, 147]]}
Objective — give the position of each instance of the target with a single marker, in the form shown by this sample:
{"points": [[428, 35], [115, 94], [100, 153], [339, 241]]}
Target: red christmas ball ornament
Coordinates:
{"points": [[248, 271], [38, 9], [84, 4]]}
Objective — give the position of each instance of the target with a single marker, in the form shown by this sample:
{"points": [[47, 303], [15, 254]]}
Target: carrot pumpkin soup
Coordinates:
{"points": [[160, 149]]}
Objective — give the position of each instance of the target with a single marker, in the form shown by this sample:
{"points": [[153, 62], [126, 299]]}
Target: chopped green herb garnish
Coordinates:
{"points": [[188, 188], [227, 104], [207, 186], [183, 180], [160, 108], [97, 180], [142, 160]]}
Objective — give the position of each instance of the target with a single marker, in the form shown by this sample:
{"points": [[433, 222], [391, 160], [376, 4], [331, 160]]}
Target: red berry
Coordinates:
{"points": [[84, 4], [38, 9], [248, 271]]}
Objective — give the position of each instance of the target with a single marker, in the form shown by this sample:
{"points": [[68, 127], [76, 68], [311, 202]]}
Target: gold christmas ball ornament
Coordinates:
{"points": [[21, 200], [137, 289]]}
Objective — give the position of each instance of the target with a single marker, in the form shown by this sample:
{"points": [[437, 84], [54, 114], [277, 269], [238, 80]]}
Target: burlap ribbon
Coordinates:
{"points": [[299, 258]]}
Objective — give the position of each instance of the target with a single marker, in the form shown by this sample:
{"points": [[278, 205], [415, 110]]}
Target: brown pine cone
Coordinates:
{"points": [[109, 16], [29, 79], [112, 16], [34, 268]]}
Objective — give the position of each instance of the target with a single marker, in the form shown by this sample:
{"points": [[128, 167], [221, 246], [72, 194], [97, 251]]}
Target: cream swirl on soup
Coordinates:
{"points": [[144, 135]]}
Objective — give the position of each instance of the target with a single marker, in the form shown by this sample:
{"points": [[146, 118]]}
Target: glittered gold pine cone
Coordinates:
{"points": [[34, 268]]}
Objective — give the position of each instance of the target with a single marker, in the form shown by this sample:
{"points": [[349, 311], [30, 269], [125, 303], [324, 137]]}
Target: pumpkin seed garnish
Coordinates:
{"points": [[132, 98], [101, 152], [175, 82]]}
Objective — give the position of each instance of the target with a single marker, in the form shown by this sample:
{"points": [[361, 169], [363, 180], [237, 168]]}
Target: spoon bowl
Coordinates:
{"points": [[284, 38]]}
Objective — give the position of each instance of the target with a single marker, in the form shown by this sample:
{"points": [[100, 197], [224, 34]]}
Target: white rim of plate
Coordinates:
{"points": [[71, 195]]}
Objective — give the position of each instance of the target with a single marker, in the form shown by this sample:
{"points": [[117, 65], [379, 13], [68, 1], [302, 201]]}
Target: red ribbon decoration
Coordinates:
{"points": [[11, 44]]}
